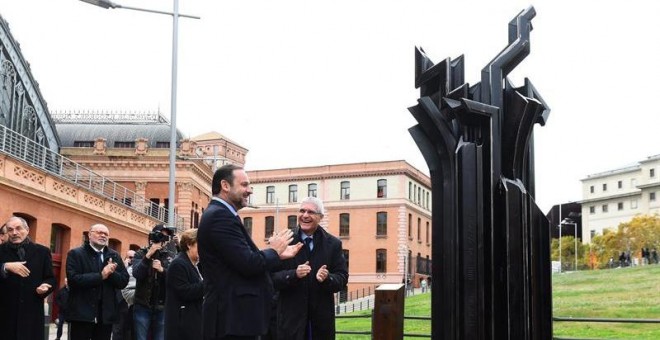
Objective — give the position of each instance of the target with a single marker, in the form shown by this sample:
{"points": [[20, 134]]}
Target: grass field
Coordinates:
{"points": [[630, 293]]}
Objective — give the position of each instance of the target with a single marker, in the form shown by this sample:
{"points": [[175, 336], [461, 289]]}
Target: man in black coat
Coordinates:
{"points": [[307, 282], [95, 275], [238, 290], [26, 279]]}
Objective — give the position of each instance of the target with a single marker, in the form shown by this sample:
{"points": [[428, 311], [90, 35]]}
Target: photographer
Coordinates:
{"points": [[150, 269]]}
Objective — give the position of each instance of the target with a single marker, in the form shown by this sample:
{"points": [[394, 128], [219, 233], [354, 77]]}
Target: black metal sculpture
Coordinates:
{"points": [[491, 250]]}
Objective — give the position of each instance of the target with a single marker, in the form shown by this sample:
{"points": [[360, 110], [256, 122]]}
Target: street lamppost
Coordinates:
{"points": [[569, 221], [560, 247], [175, 43]]}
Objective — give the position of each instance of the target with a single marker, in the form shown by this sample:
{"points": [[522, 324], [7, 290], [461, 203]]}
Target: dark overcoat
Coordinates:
{"points": [[87, 288], [183, 301], [306, 301], [21, 308], [238, 290]]}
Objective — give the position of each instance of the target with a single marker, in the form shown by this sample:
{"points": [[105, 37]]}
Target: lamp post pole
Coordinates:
{"points": [[560, 247], [173, 139], [575, 240], [175, 44], [574, 224]]}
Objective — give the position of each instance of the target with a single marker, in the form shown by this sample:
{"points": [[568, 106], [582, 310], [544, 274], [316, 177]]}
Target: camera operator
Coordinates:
{"points": [[150, 269]]}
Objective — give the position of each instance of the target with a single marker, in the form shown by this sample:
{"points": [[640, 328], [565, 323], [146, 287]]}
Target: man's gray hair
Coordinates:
{"points": [[317, 202], [21, 219]]}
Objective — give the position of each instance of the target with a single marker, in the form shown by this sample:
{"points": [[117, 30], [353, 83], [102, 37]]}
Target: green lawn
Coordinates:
{"points": [[615, 293]]}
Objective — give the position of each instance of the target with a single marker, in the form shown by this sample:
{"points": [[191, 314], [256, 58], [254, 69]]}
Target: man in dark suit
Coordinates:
{"points": [[238, 290], [26, 279], [95, 274], [307, 282]]}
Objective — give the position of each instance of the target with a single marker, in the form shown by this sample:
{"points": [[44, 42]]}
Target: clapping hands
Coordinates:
{"points": [[108, 269], [280, 243]]}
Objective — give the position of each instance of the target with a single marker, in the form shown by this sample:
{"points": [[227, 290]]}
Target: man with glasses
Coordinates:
{"points": [[307, 282], [26, 279], [96, 274]]}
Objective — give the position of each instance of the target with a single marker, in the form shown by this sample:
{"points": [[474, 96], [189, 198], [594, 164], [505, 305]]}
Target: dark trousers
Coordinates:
{"points": [[89, 331], [123, 330]]}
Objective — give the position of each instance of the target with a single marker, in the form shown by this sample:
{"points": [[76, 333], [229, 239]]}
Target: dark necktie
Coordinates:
{"points": [[20, 252], [100, 255], [309, 243]]}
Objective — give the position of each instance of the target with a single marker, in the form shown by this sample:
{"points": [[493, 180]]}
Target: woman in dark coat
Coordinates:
{"points": [[185, 291]]}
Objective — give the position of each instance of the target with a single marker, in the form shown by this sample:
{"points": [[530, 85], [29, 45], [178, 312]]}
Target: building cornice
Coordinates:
{"points": [[610, 197], [649, 185], [353, 170]]}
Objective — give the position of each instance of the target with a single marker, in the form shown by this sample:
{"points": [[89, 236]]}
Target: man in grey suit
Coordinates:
{"points": [[238, 291]]}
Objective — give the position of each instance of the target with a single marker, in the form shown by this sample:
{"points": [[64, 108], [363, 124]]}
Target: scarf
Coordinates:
{"points": [[19, 248]]}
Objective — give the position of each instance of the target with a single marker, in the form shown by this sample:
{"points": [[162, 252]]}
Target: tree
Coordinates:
{"points": [[642, 231]]}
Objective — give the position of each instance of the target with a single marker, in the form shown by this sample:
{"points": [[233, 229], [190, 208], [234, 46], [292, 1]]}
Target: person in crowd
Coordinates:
{"points": [[307, 282], [123, 329], [654, 256], [3, 234], [26, 279], [150, 271], [95, 275], [424, 284], [185, 292], [238, 290], [62, 301]]}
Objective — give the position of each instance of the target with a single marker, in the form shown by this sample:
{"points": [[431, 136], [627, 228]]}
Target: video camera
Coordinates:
{"points": [[157, 236]]}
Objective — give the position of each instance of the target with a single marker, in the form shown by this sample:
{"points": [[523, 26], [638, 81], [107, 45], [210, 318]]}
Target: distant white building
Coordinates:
{"points": [[616, 196]]}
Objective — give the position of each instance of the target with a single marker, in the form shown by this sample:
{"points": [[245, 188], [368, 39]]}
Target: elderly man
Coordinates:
{"points": [[96, 275], [26, 278], [306, 283]]}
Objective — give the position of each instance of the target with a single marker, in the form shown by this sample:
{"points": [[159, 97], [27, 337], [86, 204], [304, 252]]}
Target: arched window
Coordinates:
{"points": [[345, 192], [270, 194], [312, 190], [381, 190], [381, 260], [381, 223], [292, 221], [293, 193], [270, 227], [247, 223], [344, 224]]}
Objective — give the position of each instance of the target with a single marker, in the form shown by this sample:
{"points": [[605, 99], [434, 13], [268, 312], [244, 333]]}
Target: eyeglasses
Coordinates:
{"points": [[97, 232], [309, 212]]}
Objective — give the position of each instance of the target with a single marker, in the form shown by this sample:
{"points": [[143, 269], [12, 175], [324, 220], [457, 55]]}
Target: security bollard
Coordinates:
{"points": [[387, 318]]}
